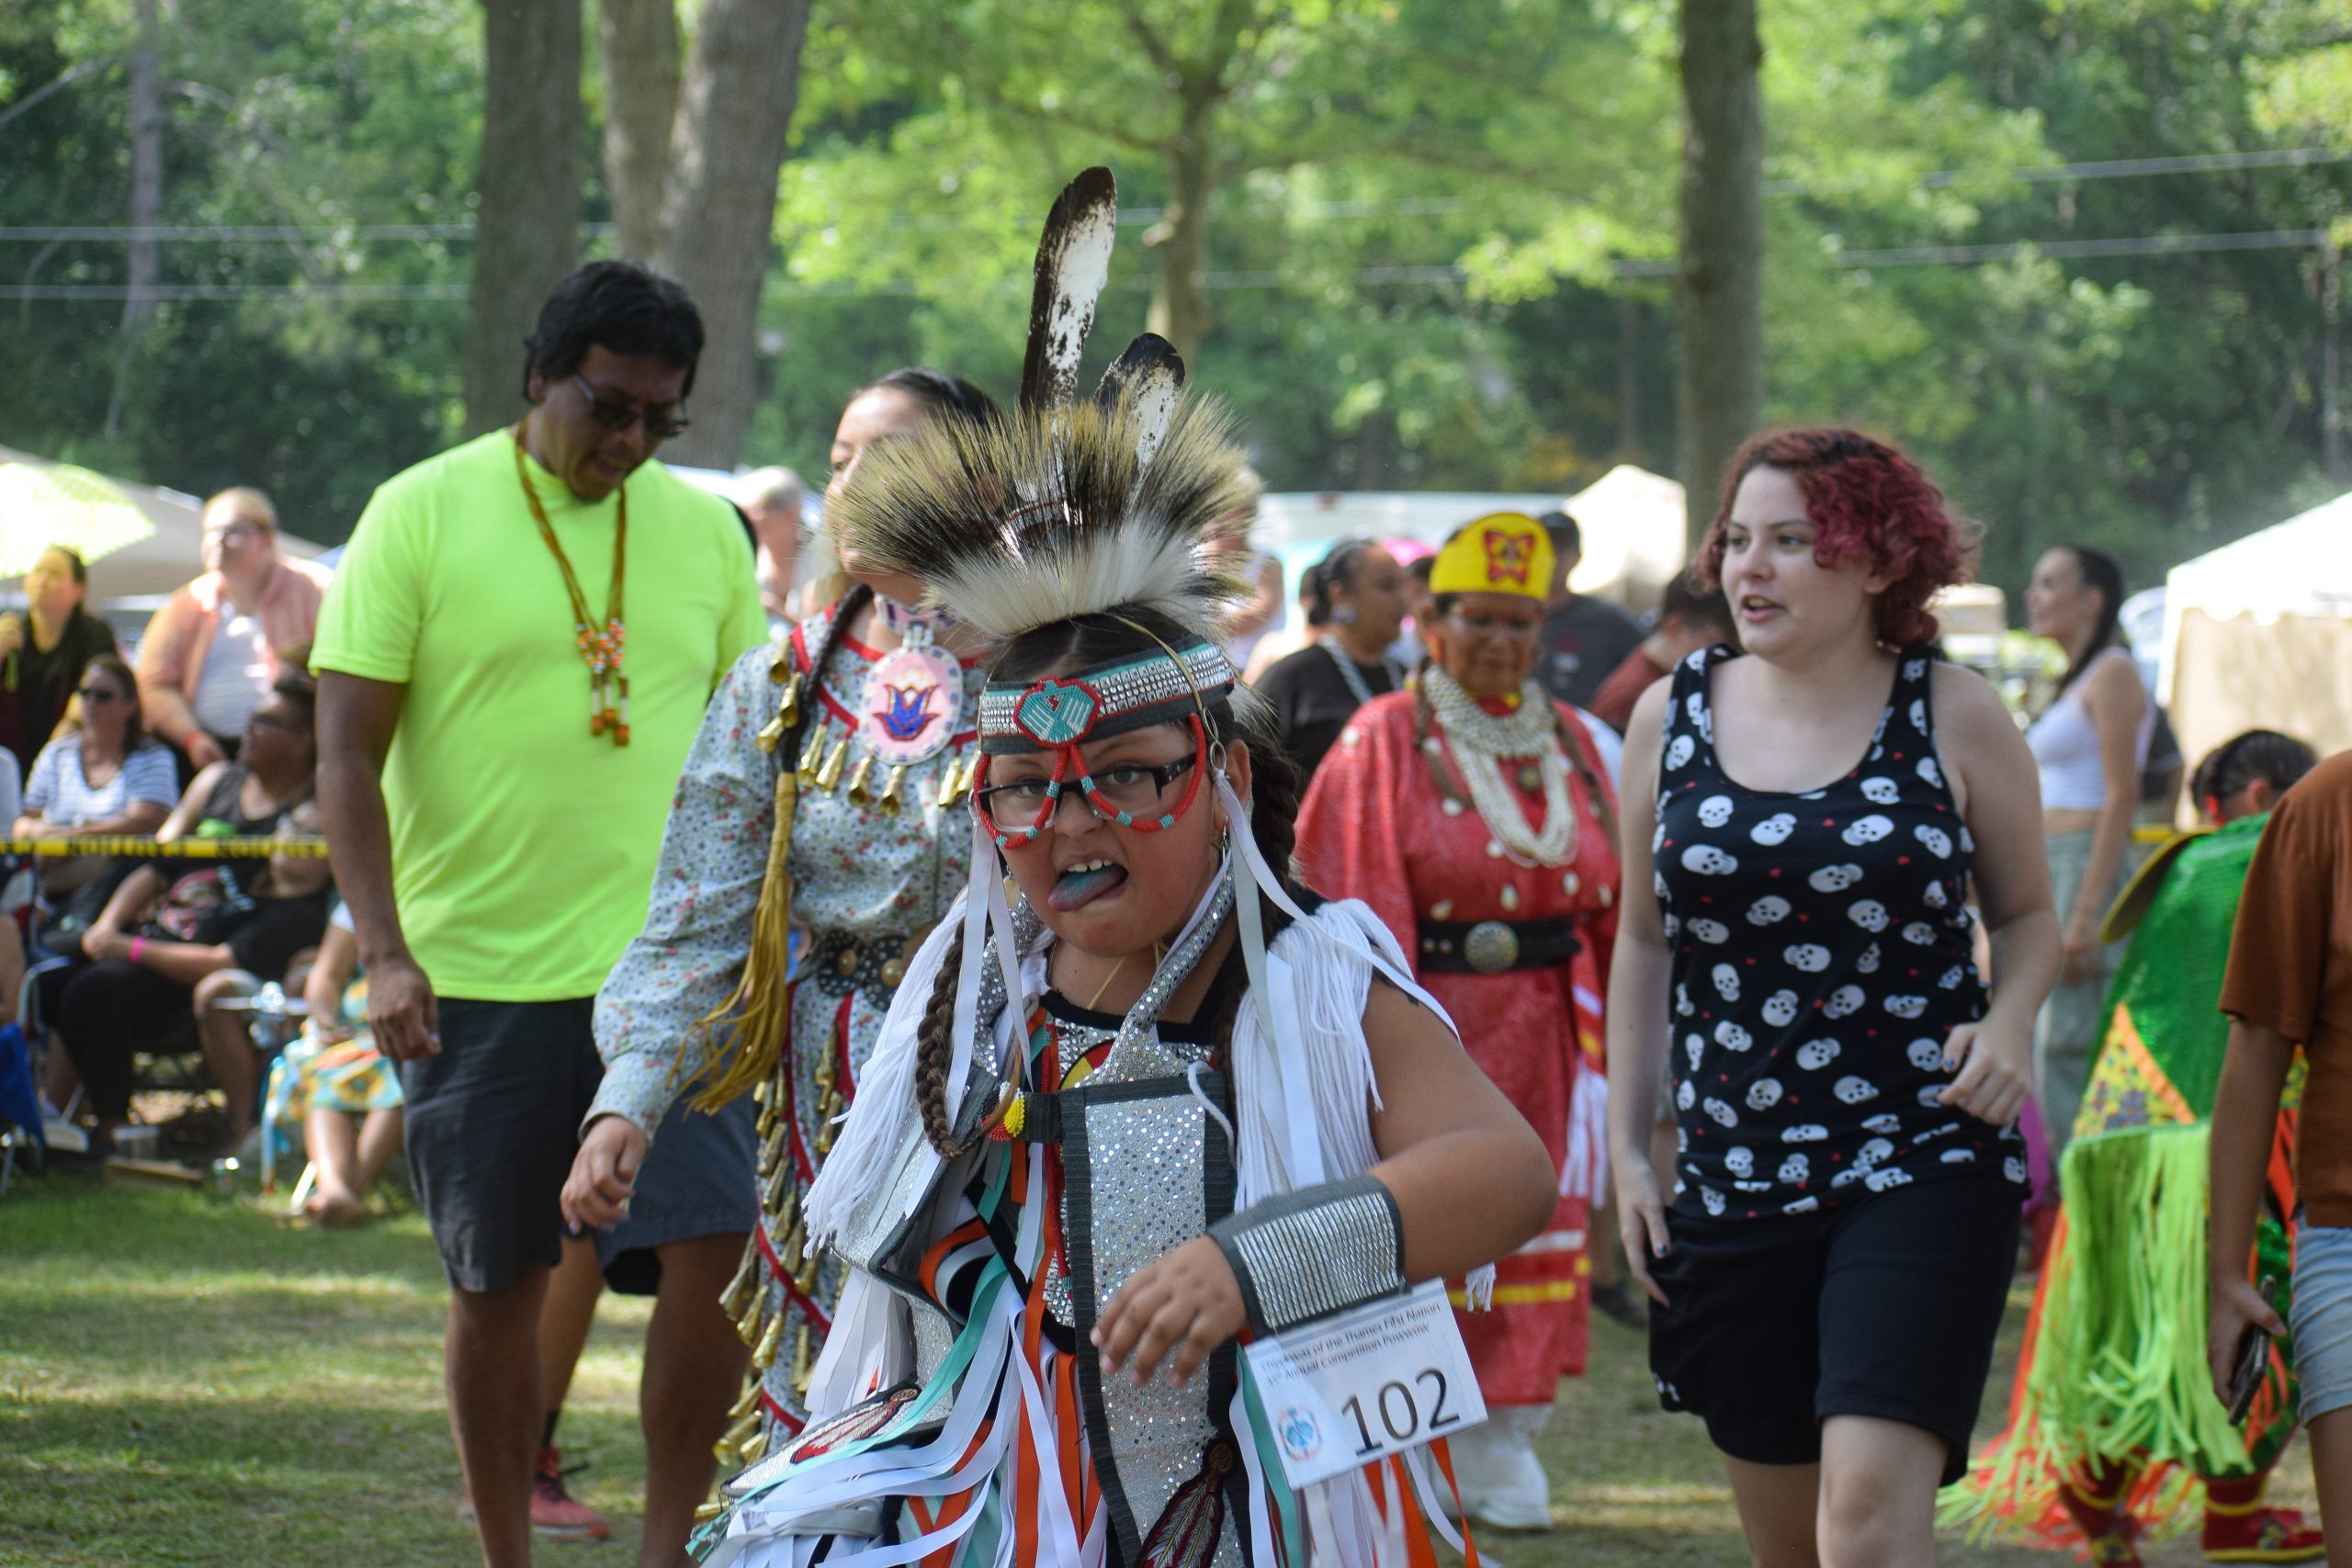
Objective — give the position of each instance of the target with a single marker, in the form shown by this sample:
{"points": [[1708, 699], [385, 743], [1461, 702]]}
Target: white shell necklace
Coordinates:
{"points": [[1481, 739]]}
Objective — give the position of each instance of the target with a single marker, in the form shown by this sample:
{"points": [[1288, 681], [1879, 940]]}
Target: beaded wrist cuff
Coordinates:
{"points": [[1095, 704], [1306, 1255]]}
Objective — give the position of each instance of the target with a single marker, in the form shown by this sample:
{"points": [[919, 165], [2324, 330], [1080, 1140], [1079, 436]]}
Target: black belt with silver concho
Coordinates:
{"points": [[1495, 947]]}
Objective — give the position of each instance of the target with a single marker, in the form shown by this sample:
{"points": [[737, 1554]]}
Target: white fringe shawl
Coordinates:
{"points": [[1318, 975]]}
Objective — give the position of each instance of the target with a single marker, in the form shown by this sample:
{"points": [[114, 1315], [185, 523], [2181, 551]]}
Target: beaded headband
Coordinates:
{"points": [[1094, 705], [1060, 713]]}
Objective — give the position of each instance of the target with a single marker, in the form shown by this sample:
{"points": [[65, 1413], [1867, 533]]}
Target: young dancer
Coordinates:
{"points": [[1169, 1100]]}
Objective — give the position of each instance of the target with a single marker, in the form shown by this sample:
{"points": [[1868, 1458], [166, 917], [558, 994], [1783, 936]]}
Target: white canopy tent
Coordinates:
{"points": [[142, 574], [1631, 522], [2259, 634]]}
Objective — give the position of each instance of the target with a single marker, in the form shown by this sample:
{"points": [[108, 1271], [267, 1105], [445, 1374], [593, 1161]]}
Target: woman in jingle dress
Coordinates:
{"points": [[1473, 815], [864, 716]]}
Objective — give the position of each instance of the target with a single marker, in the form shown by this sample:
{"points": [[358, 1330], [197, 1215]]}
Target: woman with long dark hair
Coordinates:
{"points": [[2090, 744], [1807, 818], [836, 815], [43, 652]]}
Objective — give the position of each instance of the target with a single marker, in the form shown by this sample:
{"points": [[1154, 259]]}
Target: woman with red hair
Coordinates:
{"points": [[1804, 817]]}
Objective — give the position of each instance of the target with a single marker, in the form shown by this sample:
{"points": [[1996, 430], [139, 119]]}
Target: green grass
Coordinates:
{"points": [[182, 1382]]}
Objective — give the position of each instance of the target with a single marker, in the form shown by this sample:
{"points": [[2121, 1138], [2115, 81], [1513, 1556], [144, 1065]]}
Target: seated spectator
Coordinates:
{"points": [[178, 934], [104, 775], [43, 651], [347, 1095], [248, 799], [1688, 620], [211, 652]]}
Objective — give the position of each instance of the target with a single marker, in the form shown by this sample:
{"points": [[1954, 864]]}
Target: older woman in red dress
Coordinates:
{"points": [[1473, 815]]}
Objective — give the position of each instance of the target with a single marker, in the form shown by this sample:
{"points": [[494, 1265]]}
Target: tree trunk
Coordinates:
{"points": [[2331, 368], [718, 224], [144, 263], [1179, 300], [1720, 383], [640, 43], [528, 226]]}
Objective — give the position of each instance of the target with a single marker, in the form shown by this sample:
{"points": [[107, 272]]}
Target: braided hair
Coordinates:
{"points": [[1276, 789], [2103, 575]]}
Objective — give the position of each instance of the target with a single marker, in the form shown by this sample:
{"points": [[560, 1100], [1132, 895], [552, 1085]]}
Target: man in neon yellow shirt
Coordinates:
{"points": [[514, 658]]}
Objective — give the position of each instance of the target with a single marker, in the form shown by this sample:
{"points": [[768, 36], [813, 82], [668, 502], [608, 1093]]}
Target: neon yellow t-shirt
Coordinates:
{"points": [[522, 847]]}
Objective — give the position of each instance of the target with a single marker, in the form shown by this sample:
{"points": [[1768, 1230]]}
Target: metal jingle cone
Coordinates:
{"points": [[706, 1512], [746, 1404], [788, 705], [830, 775], [738, 1294], [763, 1353], [756, 1449], [890, 801], [812, 757], [951, 781], [755, 1317], [801, 1360], [857, 792]]}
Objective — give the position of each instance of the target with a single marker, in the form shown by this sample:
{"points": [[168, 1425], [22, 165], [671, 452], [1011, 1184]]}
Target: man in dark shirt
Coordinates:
{"points": [[1584, 639]]}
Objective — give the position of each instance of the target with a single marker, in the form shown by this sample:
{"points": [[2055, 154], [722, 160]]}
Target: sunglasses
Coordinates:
{"points": [[661, 423], [100, 694]]}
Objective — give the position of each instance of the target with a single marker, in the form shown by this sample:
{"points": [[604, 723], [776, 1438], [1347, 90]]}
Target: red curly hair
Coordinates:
{"points": [[1866, 500]]}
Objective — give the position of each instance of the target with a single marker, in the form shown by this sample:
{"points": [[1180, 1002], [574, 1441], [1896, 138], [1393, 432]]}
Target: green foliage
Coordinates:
{"points": [[1435, 226]]}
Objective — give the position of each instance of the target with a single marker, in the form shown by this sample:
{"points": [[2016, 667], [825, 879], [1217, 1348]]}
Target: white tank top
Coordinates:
{"points": [[2065, 743]]}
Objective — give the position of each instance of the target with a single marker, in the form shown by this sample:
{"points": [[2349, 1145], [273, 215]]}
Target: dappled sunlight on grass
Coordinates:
{"points": [[183, 1383]]}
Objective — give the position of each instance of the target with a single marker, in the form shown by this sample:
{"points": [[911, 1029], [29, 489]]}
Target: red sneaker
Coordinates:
{"points": [[554, 1514], [2261, 1535]]}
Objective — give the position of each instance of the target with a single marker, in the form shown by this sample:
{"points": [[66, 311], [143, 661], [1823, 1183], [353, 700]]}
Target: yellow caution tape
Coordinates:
{"points": [[186, 848]]}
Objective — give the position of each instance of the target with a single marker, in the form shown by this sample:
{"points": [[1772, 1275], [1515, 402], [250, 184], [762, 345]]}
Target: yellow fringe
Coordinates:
{"points": [[758, 1016]]}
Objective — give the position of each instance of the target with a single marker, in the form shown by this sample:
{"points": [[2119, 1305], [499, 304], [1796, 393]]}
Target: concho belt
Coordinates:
{"points": [[1494, 947]]}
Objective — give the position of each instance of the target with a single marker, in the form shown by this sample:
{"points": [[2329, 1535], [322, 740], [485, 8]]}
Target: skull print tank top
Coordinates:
{"points": [[1822, 954]]}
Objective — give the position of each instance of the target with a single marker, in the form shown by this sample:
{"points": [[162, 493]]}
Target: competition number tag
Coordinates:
{"points": [[1354, 1388]]}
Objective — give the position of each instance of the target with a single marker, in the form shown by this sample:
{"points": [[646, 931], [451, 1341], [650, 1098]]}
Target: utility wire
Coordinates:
{"points": [[1371, 276], [1404, 206]]}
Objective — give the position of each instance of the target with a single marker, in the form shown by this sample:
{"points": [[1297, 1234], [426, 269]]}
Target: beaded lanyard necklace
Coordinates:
{"points": [[600, 647], [1352, 673]]}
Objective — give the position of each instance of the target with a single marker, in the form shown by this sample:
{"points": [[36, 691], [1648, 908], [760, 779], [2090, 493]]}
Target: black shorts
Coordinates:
{"points": [[701, 1179], [492, 1123], [1885, 1306]]}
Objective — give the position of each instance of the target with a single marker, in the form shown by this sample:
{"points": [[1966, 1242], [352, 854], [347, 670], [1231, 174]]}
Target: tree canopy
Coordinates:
{"points": [[2080, 257]]}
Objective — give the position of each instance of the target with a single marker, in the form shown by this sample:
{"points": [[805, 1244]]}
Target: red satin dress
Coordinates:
{"points": [[1376, 827]]}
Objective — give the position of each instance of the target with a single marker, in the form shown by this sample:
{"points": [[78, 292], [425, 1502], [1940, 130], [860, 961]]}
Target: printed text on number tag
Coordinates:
{"points": [[1365, 1383]]}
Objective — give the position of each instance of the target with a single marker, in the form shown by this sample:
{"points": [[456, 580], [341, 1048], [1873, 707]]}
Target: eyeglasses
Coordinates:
{"points": [[1136, 789], [100, 694], [660, 422]]}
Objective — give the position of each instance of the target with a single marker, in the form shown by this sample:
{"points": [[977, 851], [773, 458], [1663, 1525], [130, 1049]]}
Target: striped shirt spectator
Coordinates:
{"points": [[65, 797]]}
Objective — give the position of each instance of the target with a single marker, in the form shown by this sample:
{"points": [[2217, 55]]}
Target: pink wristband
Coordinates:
{"points": [[137, 946]]}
